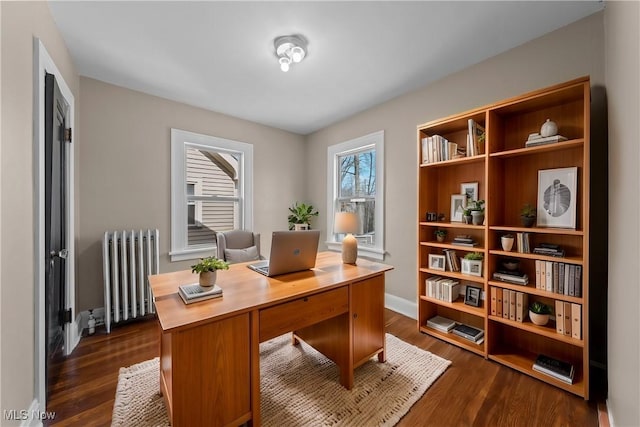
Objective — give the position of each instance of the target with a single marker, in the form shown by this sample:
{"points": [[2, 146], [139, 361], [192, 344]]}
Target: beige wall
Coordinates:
{"points": [[576, 50], [21, 22], [125, 170], [622, 35]]}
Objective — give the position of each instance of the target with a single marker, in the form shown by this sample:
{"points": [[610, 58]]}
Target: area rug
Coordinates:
{"points": [[299, 387]]}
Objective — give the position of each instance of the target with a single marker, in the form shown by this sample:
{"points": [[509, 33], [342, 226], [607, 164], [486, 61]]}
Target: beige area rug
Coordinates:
{"points": [[299, 387]]}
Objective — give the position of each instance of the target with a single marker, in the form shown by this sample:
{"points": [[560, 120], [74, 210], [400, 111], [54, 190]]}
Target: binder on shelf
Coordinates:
{"points": [[578, 281], [505, 303], [543, 275], [494, 301], [576, 321], [499, 302], [567, 318], [538, 273], [548, 280], [512, 305], [522, 305], [560, 317]]}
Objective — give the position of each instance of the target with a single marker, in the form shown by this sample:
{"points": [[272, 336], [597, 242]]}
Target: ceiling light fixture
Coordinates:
{"points": [[290, 49]]}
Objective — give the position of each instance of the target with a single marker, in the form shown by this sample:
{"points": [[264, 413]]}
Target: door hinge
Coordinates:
{"points": [[67, 135], [66, 316]]}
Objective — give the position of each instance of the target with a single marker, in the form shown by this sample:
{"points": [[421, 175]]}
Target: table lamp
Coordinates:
{"points": [[347, 222]]}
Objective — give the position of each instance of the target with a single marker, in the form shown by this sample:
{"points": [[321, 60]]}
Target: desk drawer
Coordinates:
{"points": [[302, 312]]}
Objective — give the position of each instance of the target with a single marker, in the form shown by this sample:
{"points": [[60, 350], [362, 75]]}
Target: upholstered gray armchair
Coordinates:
{"points": [[238, 246]]}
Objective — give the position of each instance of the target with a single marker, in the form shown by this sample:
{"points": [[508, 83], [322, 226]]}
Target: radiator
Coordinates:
{"points": [[128, 259]]}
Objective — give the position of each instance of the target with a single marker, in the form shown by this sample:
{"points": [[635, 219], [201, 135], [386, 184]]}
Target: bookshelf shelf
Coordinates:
{"points": [[507, 176]]}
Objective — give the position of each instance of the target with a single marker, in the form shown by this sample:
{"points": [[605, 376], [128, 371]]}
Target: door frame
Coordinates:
{"points": [[42, 62]]}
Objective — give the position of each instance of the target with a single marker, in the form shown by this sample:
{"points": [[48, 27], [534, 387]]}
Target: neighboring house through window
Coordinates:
{"points": [[211, 191], [355, 180]]}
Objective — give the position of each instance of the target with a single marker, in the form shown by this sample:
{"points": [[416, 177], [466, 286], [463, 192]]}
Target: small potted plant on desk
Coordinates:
{"points": [[440, 234], [527, 215], [300, 216], [477, 211], [539, 313], [208, 270]]}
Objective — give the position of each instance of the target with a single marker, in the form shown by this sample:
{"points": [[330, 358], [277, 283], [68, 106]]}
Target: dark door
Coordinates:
{"points": [[55, 225]]}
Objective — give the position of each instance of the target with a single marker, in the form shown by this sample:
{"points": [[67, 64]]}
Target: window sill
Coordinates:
{"points": [[189, 254], [363, 251]]}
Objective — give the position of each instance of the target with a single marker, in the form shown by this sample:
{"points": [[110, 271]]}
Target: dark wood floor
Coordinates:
{"points": [[472, 392]]}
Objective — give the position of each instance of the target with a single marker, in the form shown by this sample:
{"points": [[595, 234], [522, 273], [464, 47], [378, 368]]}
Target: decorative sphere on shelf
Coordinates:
{"points": [[549, 128]]}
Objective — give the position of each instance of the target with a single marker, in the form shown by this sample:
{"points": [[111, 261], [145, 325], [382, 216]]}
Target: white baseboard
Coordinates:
{"points": [[401, 305]]}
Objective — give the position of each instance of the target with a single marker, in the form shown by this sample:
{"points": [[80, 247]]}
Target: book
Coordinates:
{"points": [[577, 290], [499, 302], [510, 278], [505, 303], [468, 332], [512, 305], [542, 140], [558, 369], [441, 323], [193, 292], [494, 301], [522, 306], [538, 273], [567, 318], [576, 321], [475, 139], [543, 275], [559, 317], [548, 280]]}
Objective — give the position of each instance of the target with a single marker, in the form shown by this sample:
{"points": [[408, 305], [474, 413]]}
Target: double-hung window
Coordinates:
{"points": [[211, 191], [356, 184]]}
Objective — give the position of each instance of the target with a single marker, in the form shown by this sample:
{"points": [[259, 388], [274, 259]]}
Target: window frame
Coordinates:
{"points": [[180, 141], [373, 140]]}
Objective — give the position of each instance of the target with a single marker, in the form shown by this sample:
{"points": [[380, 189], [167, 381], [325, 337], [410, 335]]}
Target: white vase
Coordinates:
{"points": [[208, 278], [298, 227], [549, 128], [507, 243]]}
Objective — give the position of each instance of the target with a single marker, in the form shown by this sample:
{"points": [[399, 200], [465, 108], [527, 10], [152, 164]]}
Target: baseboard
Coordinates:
{"points": [[98, 314], [401, 305]]}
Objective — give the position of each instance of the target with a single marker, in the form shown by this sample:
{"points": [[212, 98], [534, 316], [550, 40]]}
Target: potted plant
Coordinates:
{"points": [[440, 234], [300, 216], [208, 268], [506, 242], [539, 313], [527, 215], [477, 211]]}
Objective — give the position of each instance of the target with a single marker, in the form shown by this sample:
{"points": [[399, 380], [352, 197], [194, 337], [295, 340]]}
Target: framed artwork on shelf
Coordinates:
{"points": [[472, 296], [470, 189], [471, 267], [436, 262], [557, 197], [458, 203]]}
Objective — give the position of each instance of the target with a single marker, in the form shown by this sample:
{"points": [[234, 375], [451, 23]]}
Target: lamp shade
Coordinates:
{"points": [[346, 222]]}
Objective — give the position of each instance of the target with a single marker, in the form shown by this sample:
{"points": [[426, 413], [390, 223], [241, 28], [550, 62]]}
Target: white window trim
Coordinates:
{"points": [[375, 140], [179, 141]]}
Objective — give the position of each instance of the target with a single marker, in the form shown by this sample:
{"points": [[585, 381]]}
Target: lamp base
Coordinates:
{"points": [[349, 249]]}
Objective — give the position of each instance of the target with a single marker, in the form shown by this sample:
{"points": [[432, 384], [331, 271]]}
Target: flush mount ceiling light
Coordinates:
{"points": [[290, 49]]}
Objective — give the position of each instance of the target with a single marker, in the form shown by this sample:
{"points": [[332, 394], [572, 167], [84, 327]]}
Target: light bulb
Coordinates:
{"points": [[297, 54], [284, 63]]}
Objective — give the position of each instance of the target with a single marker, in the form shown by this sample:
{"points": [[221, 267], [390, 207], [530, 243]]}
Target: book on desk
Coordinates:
{"points": [[193, 292]]}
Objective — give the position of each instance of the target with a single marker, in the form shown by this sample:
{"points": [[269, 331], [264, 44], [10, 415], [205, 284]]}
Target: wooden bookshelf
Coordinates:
{"points": [[507, 175]]}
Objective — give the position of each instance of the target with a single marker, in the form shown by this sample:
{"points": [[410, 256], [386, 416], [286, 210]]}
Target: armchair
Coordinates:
{"points": [[238, 246]]}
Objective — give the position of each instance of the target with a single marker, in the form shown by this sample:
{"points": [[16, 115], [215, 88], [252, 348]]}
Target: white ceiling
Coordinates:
{"points": [[220, 55]]}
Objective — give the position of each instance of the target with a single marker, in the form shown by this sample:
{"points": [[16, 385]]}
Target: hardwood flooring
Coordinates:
{"points": [[472, 392]]}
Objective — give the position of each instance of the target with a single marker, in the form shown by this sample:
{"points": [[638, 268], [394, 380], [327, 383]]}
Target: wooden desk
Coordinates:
{"points": [[209, 351]]}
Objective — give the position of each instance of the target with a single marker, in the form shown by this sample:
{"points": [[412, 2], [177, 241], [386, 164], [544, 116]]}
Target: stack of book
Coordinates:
{"points": [[443, 288], [437, 148], [516, 277], [549, 249], [469, 333], [194, 292], [558, 369], [441, 324], [452, 259], [537, 139], [464, 240]]}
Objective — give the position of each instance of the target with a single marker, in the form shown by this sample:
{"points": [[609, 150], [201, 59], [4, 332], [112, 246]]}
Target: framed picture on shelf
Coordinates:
{"points": [[470, 189], [436, 262], [557, 197], [458, 203], [471, 267], [472, 296]]}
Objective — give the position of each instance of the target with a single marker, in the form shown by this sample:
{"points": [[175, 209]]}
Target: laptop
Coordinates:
{"points": [[290, 251]]}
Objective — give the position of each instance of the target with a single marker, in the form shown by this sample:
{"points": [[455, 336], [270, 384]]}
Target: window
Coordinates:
{"points": [[356, 184], [211, 190]]}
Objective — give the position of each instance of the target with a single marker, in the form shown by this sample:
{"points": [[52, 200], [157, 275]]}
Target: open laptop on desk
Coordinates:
{"points": [[290, 251]]}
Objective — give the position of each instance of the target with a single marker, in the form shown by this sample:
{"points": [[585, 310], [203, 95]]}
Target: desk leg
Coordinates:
{"points": [[254, 351]]}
